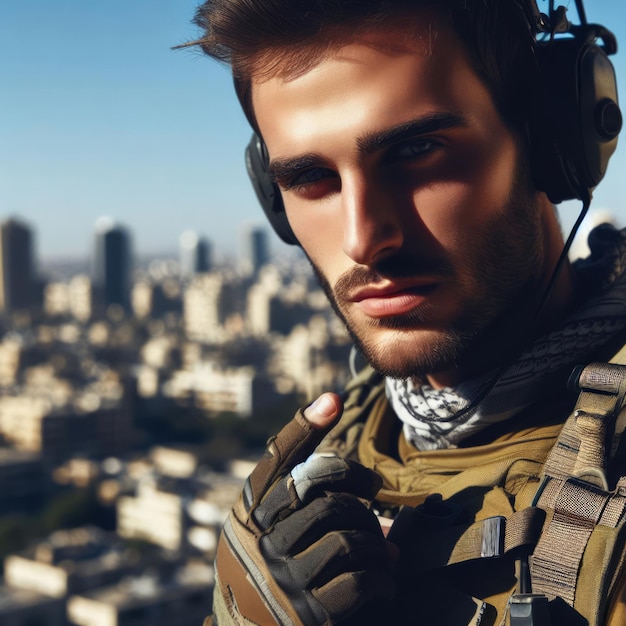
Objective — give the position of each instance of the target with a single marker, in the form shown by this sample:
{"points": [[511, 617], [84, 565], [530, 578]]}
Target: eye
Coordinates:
{"points": [[307, 177], [413, 149], [310, 176]]}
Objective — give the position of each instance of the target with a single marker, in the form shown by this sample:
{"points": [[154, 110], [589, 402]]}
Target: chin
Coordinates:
{"points": [[417, 353]]}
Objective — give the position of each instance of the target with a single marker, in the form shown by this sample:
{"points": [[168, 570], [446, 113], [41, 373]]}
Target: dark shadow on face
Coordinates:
{"points": [[502, 261]]}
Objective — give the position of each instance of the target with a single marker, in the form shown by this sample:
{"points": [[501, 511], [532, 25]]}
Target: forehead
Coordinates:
{"points": [[398, 70]]}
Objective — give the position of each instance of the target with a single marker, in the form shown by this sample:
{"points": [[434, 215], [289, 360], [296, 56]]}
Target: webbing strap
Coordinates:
{"points": [[523, 529], [555, 563]]}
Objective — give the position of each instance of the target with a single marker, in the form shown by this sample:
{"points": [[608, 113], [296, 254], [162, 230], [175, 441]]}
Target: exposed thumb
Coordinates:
{"points": [[324, 411]]}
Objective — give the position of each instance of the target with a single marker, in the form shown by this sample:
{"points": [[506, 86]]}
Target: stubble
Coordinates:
{"points": [[495, 291]]}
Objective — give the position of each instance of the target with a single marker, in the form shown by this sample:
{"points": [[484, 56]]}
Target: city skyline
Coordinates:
{"points": [[190, 253], [102, 118]]}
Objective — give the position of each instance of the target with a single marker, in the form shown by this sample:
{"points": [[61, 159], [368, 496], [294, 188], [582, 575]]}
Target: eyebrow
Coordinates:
{"points": [[424, 125], [283, 168]]}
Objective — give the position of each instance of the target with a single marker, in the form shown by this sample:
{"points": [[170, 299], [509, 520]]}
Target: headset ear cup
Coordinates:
{"points": [[576, 118], [266, 190]]}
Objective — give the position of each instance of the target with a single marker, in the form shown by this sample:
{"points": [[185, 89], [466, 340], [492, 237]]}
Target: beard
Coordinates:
{"points": [[496, 282]]}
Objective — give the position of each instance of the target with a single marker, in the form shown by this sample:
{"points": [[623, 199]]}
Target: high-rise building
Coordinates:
{"points": [[81, 297], [254, 249], [17, 272], [206, 303], [195, 254], [112, 265]]}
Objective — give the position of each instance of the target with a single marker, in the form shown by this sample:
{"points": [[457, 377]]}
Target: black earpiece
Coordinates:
{"points": [[266, 190], [576, 119], [574, 124]]}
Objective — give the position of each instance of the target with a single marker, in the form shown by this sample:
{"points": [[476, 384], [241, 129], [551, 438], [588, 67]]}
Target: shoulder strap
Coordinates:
{"points": [[581, 449], [576, 495]]}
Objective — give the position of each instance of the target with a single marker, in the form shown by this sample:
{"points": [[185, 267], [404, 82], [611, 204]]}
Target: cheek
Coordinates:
{"points": [[452, 210], [320, 233], [445, 213], [314, 228]]}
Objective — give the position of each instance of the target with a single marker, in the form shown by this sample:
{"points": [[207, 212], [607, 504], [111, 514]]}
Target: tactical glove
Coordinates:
{"points": [[300, 547]]}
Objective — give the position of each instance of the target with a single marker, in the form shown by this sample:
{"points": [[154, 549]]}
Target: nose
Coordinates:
{"points": [[372, 227]]}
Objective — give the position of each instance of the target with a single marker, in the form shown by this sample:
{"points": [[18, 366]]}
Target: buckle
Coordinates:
{"points": [[493, 537]]}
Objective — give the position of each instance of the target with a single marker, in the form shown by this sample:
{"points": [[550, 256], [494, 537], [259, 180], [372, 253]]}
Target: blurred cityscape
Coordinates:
{"points": [[135, 397]]}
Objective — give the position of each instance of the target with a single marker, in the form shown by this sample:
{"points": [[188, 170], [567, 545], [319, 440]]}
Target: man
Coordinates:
{"points": [[403, 139]]}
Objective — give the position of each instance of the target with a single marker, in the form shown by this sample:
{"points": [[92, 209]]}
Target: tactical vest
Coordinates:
{"points": [[554, 553]]}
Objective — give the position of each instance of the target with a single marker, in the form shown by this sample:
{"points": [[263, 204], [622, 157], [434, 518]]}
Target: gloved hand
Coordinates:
{"points": [[300, 547]]}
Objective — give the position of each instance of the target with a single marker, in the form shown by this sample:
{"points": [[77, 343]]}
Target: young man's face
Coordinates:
{"points": [[404, 188]]}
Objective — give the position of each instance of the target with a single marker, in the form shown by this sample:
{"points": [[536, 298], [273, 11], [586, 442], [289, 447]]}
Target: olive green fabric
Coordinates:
{"points": [[497, 478]]}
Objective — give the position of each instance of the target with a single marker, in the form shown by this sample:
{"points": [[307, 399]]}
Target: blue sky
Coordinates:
{"points": [[100, 117]]}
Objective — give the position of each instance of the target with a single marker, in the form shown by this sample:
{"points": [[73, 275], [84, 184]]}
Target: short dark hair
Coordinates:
{"points": [[253, 35]]}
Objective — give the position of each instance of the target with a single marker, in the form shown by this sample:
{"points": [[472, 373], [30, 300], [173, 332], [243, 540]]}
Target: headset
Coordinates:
{"points": [[573, 128]]}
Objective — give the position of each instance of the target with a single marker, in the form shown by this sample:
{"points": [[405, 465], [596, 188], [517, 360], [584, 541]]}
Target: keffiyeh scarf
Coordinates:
{"points": [[442, 418]]}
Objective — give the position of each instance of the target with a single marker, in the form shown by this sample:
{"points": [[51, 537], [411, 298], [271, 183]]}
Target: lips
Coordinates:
{"points": [[391, 300]]}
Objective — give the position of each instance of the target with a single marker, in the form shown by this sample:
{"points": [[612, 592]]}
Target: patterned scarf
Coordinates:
{"points": [[442, 418]]}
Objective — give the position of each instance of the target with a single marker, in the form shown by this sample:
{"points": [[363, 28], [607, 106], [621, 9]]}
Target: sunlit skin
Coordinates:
{"points": [[409, 194]]}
